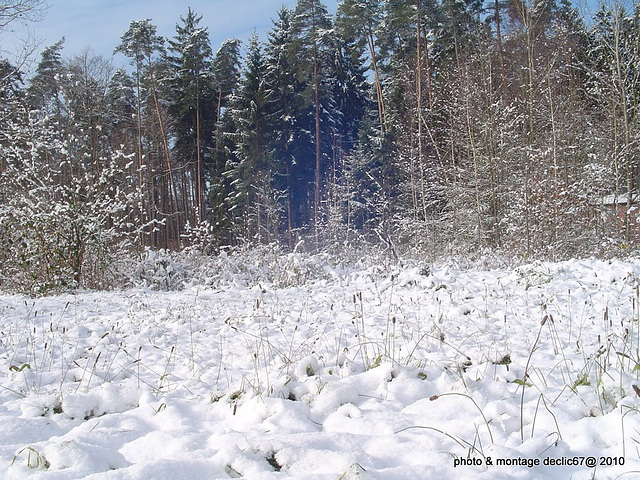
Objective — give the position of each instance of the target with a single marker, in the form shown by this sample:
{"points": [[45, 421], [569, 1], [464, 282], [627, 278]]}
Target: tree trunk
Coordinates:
{"points": [[318, 166]]}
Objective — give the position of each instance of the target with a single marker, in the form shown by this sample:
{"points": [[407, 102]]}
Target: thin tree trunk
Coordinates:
{"points": [[139, 153], [623, 101], [200, 211], [318, 173], [476, 169], [423, 200], [499, 39], [173, 194], [376, 78]]}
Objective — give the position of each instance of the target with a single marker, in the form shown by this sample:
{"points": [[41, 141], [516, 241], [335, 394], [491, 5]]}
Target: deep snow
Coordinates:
{"points": [[373, 373]]}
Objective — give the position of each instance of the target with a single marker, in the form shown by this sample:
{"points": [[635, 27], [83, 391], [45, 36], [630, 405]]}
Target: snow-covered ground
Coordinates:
{"points": [[403, 372]]}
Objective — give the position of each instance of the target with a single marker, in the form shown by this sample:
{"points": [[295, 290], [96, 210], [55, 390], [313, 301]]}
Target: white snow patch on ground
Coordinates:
{"points": [[370, 373]]}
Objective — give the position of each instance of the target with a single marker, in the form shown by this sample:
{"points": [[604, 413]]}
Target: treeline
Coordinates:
{"points": [[436, 126]]}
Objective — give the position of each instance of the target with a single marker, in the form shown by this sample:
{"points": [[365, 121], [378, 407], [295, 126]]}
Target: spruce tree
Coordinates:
{"points": [[192, 106], [313, 47], [44, 87], [225, 71], [253, 198], [288, 140]]}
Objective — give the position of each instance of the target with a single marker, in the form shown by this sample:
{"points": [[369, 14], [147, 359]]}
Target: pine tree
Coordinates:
{"points": [[360, 21], [192, 105], [44, 87], [351, 98], [253, 198], [121, 97], [143, 45], [412, 46], [312, 30], [140, 43], [288, 140], [226, 78]]}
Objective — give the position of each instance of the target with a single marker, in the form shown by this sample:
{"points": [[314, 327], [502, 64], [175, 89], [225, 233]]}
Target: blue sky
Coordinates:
{"points": [[99, 24]]}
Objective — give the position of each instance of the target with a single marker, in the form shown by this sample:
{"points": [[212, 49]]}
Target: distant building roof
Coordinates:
{"points": [[620, 199]]}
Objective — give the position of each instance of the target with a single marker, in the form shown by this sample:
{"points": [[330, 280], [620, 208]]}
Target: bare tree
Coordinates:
{"points": [[21, 11]]}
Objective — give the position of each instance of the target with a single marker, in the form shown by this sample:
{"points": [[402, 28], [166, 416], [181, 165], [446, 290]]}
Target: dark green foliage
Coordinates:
{"points": [[44, 87], [253, 203], [191, 89]]}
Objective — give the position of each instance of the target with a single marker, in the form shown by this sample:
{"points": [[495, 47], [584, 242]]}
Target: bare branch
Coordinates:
{"points": [[21, 11]]}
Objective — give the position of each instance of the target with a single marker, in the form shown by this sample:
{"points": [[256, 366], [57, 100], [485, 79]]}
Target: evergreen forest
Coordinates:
{"points": [[430, 128]]}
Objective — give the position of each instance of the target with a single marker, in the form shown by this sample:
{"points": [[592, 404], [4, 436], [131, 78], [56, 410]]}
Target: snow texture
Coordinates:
{"points": [[369, 373]]}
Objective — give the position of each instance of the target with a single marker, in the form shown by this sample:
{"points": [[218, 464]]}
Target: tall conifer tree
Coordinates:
{"points": [[192, 106]]}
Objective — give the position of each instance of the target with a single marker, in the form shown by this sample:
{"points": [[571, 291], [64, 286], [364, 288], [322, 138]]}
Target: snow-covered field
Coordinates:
{"points": [[400, 372]]}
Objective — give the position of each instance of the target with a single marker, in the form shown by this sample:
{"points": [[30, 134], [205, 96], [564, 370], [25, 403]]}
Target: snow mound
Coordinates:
{"points": [[299, 368]]}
